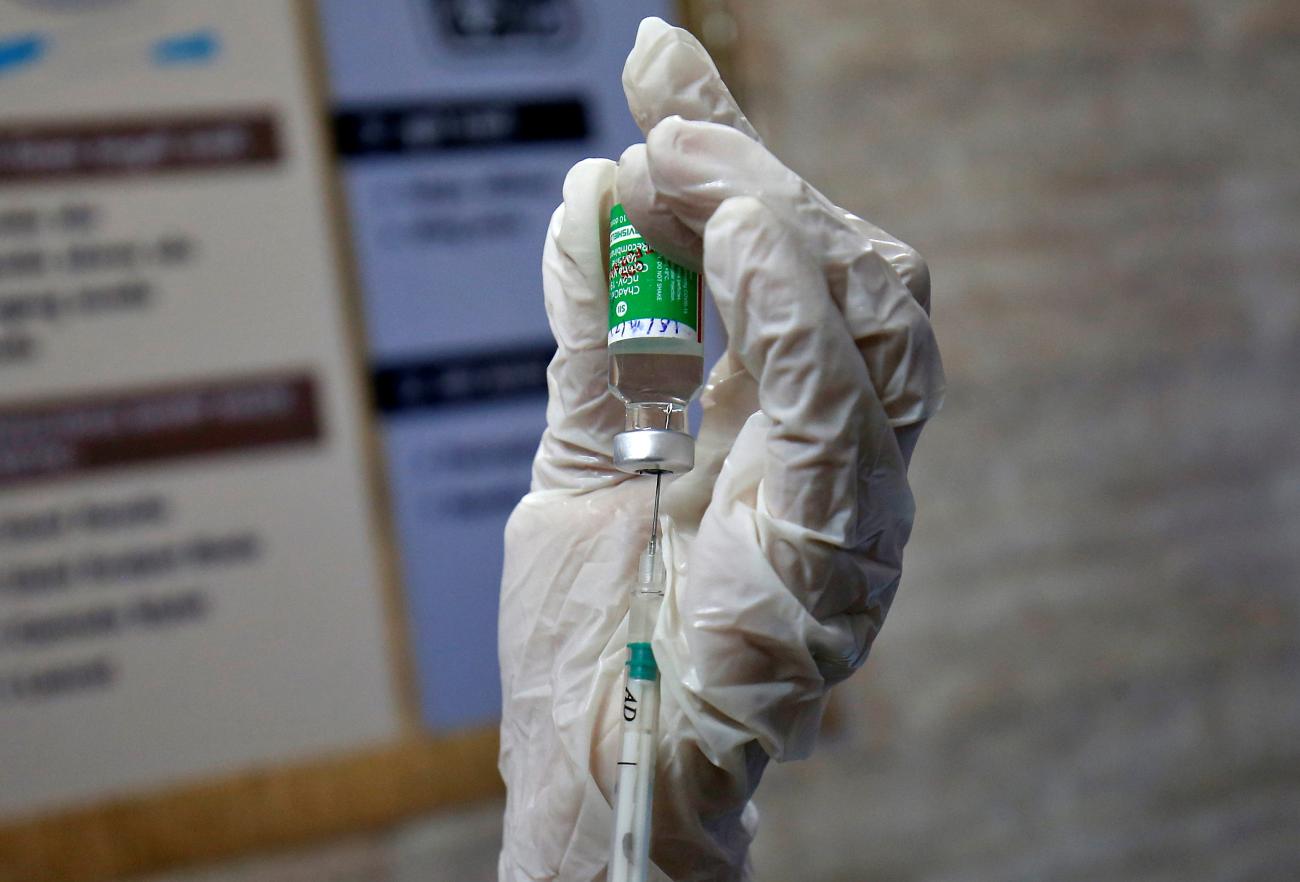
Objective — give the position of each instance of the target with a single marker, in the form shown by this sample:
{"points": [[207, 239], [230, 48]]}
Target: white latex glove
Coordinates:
{"points": [[783, 546]]}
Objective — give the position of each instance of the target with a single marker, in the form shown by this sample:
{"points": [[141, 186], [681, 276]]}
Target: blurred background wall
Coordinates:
{"points": [[1091, 669]]}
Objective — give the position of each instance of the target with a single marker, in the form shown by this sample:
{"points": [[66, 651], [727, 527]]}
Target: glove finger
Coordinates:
{"points": [[689, 168], [760, 174], [668, 73], [651, 212], [828, 426], [582, 415], [809, 512]]}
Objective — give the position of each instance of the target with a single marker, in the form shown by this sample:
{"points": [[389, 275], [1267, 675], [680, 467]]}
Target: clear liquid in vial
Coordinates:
{"points": [[661, 375]]}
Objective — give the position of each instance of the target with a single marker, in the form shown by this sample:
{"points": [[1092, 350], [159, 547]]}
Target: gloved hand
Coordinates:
{"points": [[783, 546]]}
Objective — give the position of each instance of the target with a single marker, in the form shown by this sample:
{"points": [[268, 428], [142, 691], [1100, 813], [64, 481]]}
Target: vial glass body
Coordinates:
{"points": [[655, 378]]}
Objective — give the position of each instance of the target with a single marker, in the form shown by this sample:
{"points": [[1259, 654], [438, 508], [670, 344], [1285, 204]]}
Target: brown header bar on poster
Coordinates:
{"points": [[54, 439], [45, 151]]}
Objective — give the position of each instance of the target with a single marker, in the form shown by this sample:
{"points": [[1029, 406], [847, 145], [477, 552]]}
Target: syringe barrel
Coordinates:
{"points": [[634, 791]]}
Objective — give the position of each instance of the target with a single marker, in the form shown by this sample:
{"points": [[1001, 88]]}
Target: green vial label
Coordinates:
{"points": [[649, 295]]}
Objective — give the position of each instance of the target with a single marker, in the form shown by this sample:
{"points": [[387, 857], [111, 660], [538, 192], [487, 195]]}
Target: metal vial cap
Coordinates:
{"points": [[654, 450]]}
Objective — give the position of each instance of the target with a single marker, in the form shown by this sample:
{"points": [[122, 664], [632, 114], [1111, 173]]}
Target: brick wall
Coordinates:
{"points": [[1093, 667]]}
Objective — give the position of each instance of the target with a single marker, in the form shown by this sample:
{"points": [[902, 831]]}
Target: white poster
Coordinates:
{"points": [[188, 575], [455, 123]]}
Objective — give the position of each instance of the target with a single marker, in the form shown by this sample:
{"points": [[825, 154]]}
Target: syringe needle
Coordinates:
{"points": [[654, 517]]}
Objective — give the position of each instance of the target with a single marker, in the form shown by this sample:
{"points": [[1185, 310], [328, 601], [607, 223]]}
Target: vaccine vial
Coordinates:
{"points": [[656, 350]]}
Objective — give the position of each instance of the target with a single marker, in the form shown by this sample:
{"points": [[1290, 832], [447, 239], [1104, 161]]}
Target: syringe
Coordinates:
{"points": [[634, 794]]}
